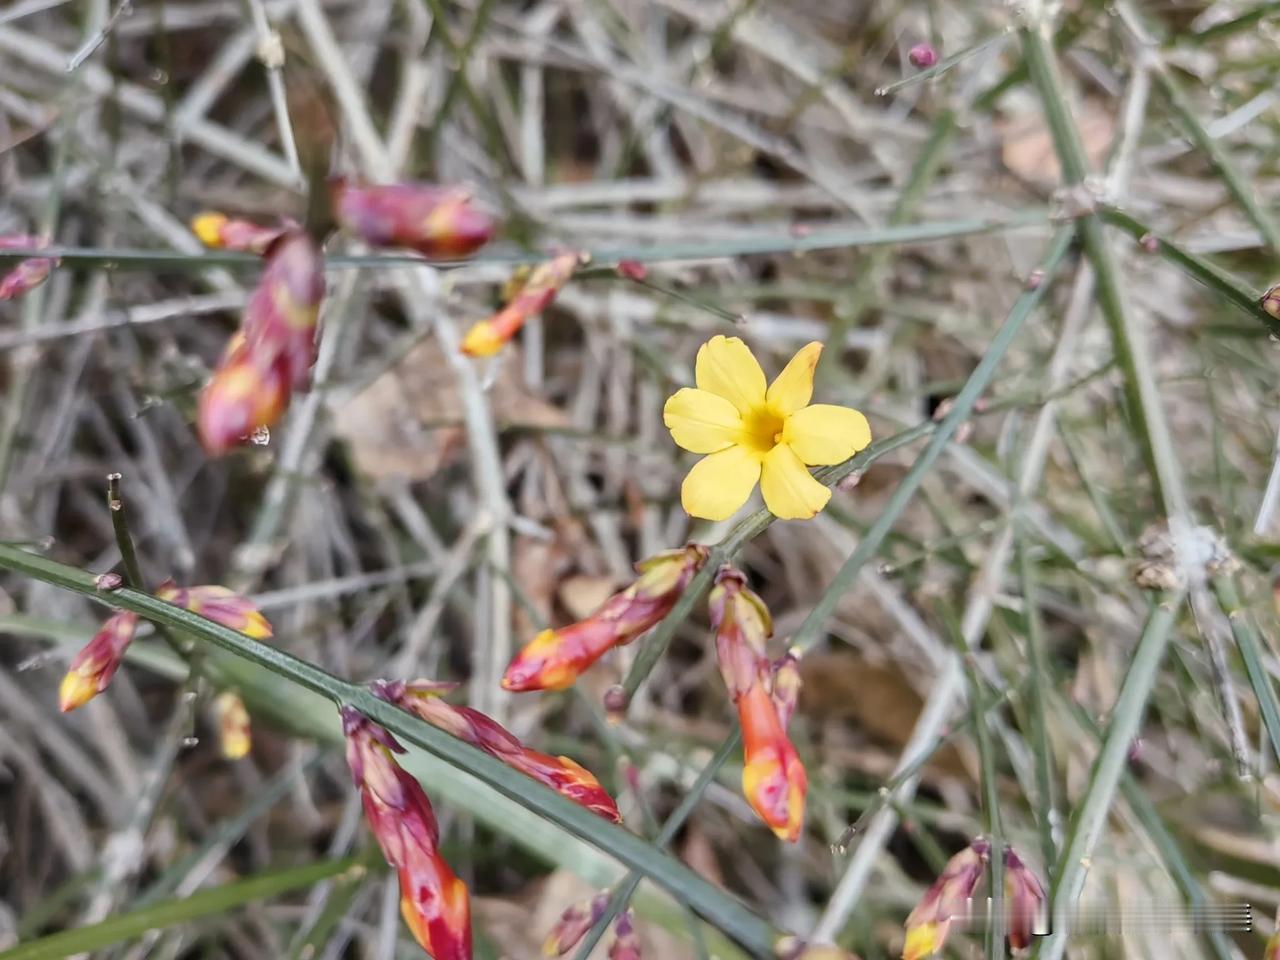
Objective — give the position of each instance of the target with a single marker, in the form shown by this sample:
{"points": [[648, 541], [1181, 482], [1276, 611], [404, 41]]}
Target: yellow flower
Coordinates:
{"points": [[752, 433]]}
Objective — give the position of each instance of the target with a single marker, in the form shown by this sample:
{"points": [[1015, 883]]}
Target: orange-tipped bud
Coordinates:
{"points": [[220, 232], [534, 295], [423, 698], [433, 901], [773, 778], [220, 605], [554, 659], [573, 925], [626, 942], [281, 316], [437, 909], [438, 222], [743, 627], [94, 666], [243, 395], [945, 901], [234, 733], [28, 274], [568, 778], [1024, 900]]}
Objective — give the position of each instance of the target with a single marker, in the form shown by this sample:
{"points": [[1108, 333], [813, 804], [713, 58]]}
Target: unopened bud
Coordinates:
{"points": [[922, 56]]}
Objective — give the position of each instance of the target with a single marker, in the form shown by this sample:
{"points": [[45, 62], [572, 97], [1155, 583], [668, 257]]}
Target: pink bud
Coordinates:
{"points": [[922, 56]]}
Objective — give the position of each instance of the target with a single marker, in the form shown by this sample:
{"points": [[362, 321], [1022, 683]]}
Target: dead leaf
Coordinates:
{"points": [[1027, 147], [407, 423], [876, 697]]}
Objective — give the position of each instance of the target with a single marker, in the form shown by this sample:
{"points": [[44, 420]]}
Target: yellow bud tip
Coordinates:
{"points": [[235, 746], [208, 228], [922, 941], [481, 340], [76, 690], [257, 626], [551, 946]]}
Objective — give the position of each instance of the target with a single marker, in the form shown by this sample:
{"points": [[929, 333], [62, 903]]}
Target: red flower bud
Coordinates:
{"points": [[281, 316], [626, 942], [773, 778], [94, 666], [574, 924], [554, 659], [743, 627], [438, 222], [433, 901], [220, 605], [1024, 899], [566, 777], [220, 232], [243, 394], [534, 295], [28, 274], [945, 901]]}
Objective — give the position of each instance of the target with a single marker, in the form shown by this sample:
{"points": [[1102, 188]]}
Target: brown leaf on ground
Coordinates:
{"points": [[1026, 146], [407, 423], [875, 697]]}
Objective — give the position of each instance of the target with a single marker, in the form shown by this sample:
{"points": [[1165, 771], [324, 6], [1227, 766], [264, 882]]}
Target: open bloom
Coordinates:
{"points": [[945, 901], [436, 221], [220, 605], [565, 776], [756, 433], [29, 273], [531, 295], [433, 901], [1024, 900], [94, 666], [554, 659]]}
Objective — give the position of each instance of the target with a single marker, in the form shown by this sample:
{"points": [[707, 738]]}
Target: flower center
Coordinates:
{"points": [[761, 430]]}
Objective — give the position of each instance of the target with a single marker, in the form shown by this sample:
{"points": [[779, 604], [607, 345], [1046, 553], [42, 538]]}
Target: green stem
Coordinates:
{"points": [[1039, 667], [714, 905], [810, 630], [206, 903], [1250, 645], [120, 525], [1127, 337], [127, 259], [1221, 161], [1198, 268], [626, 889], [1090, 817]]}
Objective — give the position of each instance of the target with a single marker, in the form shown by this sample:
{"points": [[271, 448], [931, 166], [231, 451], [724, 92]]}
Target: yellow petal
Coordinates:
{"points": [[725, 366], [789, 491], [824, 434], [700, 421], [793, 387], [721, 483]]}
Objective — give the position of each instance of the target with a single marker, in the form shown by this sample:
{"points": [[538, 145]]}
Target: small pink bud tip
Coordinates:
{"points": [[632, 270], [1270, 301], [922, 56]]}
